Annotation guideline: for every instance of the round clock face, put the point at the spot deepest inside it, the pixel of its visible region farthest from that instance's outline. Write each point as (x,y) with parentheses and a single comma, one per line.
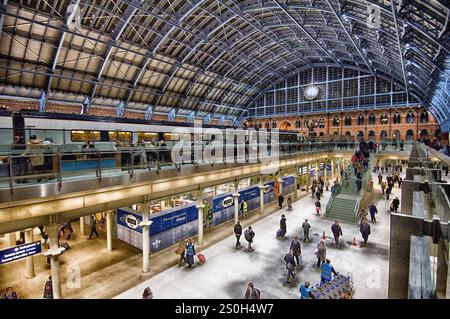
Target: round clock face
(312,92)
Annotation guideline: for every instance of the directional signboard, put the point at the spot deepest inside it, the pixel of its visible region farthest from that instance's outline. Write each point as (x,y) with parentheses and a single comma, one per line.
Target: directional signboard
(19,252)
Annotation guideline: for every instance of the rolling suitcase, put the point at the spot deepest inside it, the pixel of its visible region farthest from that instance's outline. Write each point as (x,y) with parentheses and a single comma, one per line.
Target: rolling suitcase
(201,258)
(278,233)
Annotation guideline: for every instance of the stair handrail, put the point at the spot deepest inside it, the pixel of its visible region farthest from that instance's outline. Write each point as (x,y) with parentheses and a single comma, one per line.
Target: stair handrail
(334,194)
(365,179)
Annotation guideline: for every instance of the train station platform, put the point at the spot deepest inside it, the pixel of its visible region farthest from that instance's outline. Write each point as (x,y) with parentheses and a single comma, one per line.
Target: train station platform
(265,266)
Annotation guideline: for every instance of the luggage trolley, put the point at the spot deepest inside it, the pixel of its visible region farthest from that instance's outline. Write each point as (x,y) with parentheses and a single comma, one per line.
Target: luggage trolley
(337,288)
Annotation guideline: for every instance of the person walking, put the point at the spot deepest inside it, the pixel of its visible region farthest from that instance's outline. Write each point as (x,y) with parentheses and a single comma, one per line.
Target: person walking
(147,294)
(283,227)
(383,187)
(337,232)
(48,289)
(280,201)
(290,266)
(327,271)
(388,192)
(296,249)
(364,229)
(306,227)
(93,227)
(373,211)
(305,291)
(289,203)
(252,292)
(249,234)
(238,232)
(321,253)
(190,253)
(400,180)
(396,204)
(380,178)
(318,206)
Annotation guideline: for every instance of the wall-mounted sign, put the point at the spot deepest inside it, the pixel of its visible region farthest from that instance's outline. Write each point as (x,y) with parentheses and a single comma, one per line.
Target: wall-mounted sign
(227,202)
(19,252)
(311,92)
(132,221)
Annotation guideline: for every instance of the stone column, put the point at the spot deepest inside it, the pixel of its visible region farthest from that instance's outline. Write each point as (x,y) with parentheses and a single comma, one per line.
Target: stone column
(442,276)
(261,195)
(200,207)
(332,170)
(29,238)
(145,224)
(325,171)
(402,228)
(308,176)
(109,230)
(82,226)
(12,239)
(53,253)
(317,170)
(296,177)
(280,183)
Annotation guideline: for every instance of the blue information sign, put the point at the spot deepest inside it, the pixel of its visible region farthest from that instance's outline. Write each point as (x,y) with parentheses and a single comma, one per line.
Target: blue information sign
(19,252)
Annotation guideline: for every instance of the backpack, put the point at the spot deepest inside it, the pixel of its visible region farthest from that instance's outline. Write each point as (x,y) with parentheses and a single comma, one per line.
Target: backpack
(287,258)
(247,235)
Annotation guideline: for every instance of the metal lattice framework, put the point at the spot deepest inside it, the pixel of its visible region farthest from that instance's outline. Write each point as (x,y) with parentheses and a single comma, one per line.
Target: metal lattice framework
(215,58)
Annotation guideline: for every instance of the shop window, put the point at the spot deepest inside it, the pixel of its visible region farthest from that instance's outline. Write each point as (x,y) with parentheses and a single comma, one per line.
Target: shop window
(298,123)
(274,124)
(371,135)
(147,137)
(83,136)
(409,135)
(383,135)
(397,118)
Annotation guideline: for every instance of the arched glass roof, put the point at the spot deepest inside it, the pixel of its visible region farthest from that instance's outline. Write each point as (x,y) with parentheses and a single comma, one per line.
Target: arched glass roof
(214,57)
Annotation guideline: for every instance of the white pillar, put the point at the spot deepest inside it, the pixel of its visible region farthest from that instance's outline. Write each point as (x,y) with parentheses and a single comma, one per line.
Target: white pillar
(82,226)
(200,207)
(145,224)
(280,183)
(29,238)
(236,207)
(332,170)
(109,230)
(325,171)
(295,184)
(12,239)
(261,195)
(53,253)
(317,170)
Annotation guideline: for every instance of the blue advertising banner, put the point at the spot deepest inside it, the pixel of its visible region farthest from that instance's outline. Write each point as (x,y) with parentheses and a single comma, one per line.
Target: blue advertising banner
(19,252)
(168,227)
(222,201)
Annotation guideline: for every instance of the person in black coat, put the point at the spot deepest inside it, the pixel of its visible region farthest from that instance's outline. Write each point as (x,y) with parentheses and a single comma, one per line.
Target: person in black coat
(238,233)
(396,204)
(283,226)
(337,232)
(296,249)
(290,266)
(249,234)
(280,201)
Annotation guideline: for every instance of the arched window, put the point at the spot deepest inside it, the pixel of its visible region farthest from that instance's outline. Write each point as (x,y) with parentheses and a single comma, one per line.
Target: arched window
(336,121)
(298,123)
(274,124)
(255,126)
(424,133)
(410,118)
(348,120)
(361,134)
(306,123)
(372,119)
(384,119)
(383,135)
(321,134)
(322,123)
(424,117)
(409,135)
(371,135)
(396,135)
(360,120)
(397,118)
(267,125)
(260,125)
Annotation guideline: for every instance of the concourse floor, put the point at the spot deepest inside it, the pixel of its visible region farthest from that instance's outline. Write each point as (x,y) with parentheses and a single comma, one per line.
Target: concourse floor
(227,270)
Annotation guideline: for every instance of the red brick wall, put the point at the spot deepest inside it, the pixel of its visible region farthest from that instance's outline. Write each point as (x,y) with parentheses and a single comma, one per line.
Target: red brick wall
(284,122)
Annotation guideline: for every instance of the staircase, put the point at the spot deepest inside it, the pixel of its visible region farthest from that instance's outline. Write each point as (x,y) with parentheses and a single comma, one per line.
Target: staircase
(342,206)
